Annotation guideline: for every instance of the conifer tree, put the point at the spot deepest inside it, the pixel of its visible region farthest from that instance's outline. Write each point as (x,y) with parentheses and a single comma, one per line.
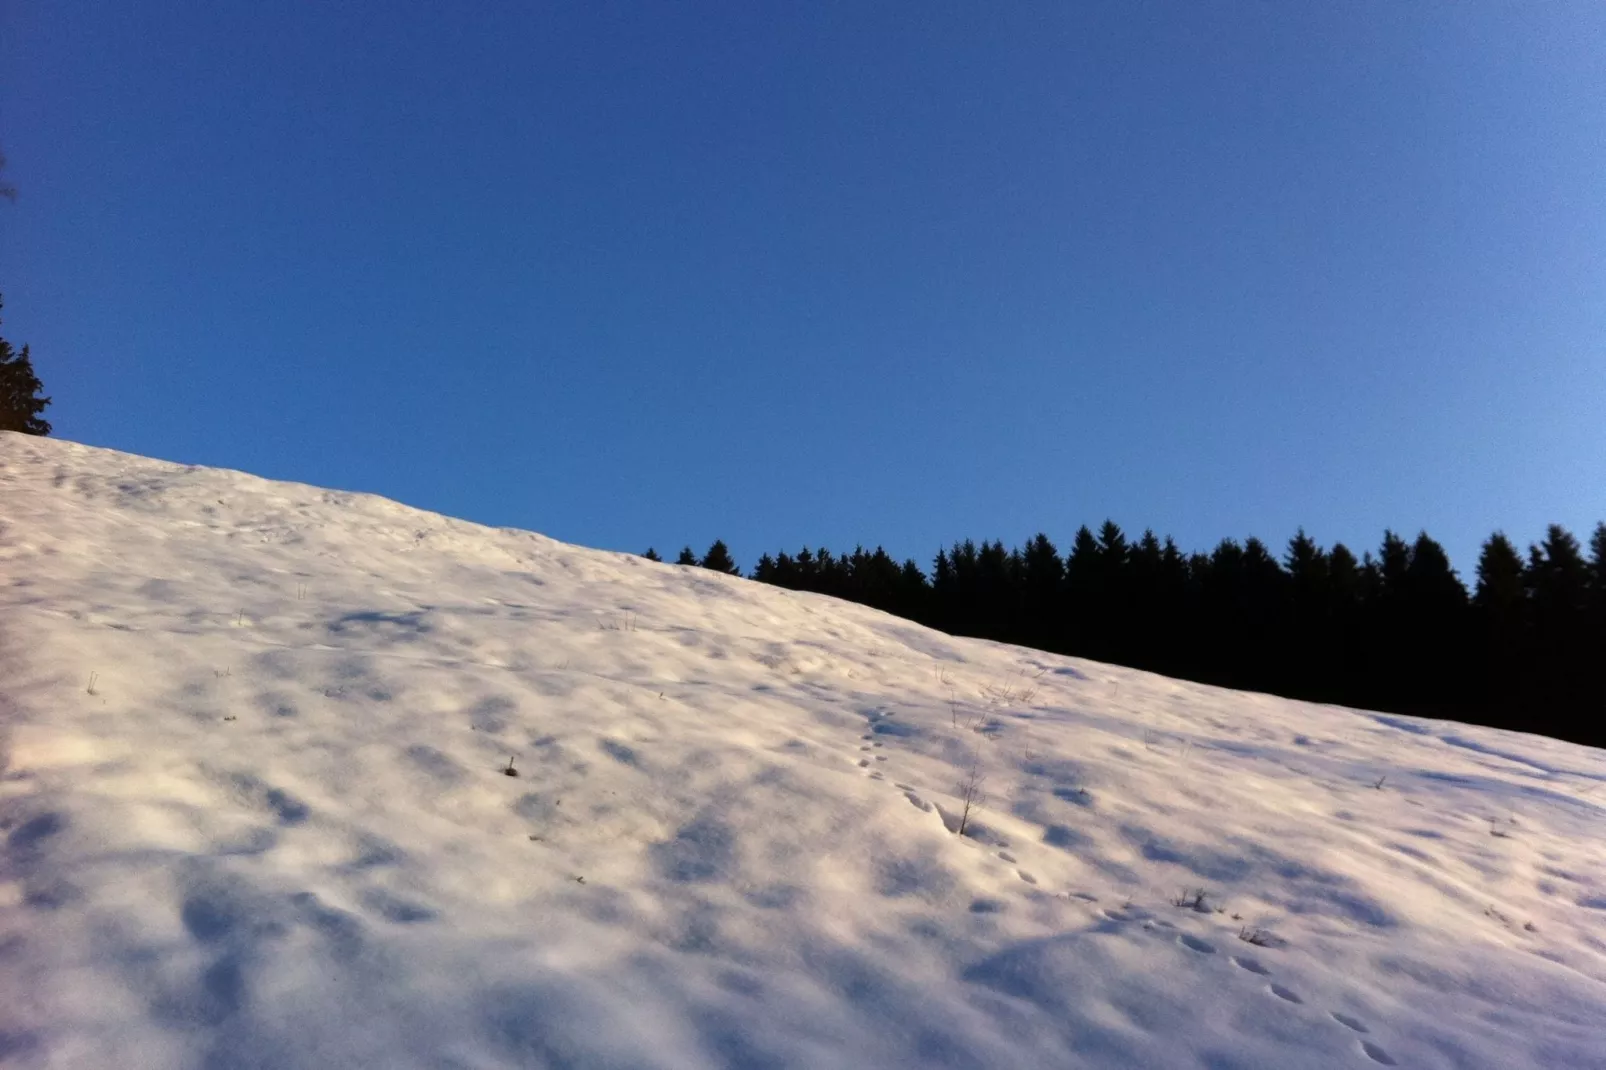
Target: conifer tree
(1597,562)
(1307,566)
(718,559)
(688,556)
(1501,621)
(1560,657)
(786,572)
(1112,549)
(807,572)
(1176,612)
(1082,564)
(914,592)
(1309,644)
(1084,596)
(1343,578)
(996,612)
(1435,620)
(20,400)
(1596,638)
(944,591)
(1393,562)
(1557,574)
(1431,581)
(1597,582)
(1264,600)
(652,555)
(1042,575)
(1500,592)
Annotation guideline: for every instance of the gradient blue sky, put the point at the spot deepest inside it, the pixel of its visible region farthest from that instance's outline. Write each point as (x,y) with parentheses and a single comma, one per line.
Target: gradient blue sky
(635,274)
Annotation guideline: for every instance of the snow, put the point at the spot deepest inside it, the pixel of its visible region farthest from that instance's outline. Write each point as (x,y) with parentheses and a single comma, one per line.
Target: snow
(255,814)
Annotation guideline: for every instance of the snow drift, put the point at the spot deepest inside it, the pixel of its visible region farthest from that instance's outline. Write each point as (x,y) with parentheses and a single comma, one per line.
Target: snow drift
(256,811)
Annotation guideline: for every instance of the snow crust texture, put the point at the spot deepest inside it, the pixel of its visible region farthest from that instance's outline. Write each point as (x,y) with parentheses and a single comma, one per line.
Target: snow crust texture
(256,810)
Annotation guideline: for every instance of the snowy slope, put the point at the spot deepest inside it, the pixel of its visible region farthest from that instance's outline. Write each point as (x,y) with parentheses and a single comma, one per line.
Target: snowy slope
(254,814)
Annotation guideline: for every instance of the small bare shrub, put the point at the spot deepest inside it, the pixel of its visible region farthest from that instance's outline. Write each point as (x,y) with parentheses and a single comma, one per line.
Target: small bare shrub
(1257,937)
(1192,899)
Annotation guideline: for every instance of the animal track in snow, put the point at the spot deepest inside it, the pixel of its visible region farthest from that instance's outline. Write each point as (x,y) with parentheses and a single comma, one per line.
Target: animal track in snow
(1287,994)
(1377,1054)
(1025,876)
(1193,943)
(1243,962)
(1349,1023)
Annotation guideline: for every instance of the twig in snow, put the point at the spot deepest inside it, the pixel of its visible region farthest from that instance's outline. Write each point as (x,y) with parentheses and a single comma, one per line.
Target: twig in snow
(970,790)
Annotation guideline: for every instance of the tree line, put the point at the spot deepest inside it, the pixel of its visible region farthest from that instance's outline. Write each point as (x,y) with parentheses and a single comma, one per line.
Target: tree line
(1396,630)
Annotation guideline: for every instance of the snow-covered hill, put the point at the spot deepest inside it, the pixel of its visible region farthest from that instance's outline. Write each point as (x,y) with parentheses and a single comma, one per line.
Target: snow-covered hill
(255,813)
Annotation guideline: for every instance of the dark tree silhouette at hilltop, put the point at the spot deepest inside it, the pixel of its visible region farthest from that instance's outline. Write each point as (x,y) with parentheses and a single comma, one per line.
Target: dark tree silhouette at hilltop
(718,559)
(21,400)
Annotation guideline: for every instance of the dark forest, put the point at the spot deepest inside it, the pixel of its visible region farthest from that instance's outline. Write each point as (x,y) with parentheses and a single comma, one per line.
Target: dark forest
(1397,630)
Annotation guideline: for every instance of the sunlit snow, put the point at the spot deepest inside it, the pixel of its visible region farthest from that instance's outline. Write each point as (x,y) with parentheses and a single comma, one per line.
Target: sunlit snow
(256,812)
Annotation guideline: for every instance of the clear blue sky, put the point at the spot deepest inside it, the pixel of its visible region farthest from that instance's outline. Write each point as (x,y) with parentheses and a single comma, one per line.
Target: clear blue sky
(635,274)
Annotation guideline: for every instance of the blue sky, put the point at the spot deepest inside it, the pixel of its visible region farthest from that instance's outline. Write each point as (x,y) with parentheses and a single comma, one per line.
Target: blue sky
(635,274)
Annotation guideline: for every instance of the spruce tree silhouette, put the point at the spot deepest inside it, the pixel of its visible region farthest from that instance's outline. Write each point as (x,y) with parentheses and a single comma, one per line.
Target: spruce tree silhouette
(1435,617)
(1264,634)
(1597,627)
(1558,587)
(1084,623)
(1175,613)
(20,398)
(1597,577)
(997,613)
(718,559)
(1500,589)
(688,556)
(1500,627)
(1142,587)
(1042,575)
(944,592)
(652,555)
(1309,641)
